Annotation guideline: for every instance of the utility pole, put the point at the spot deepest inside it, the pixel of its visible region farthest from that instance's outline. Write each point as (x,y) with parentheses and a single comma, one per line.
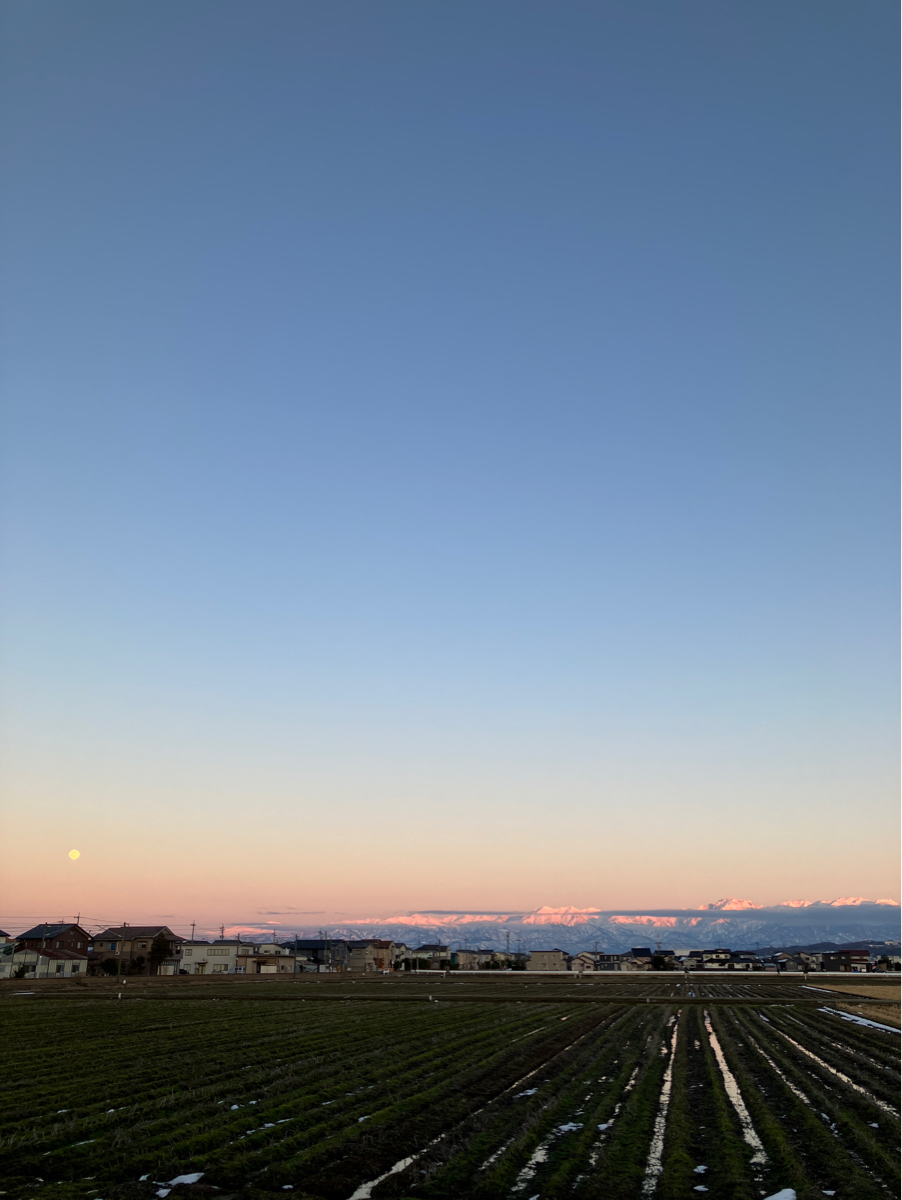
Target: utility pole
(222,933)
(193,923)
(119,949)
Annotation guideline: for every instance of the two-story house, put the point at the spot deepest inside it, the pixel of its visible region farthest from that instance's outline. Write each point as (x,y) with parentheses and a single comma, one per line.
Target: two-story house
(548,960)
(130,948)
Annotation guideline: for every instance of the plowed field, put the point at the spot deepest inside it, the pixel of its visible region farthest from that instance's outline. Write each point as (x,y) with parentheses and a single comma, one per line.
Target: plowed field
(525,1089)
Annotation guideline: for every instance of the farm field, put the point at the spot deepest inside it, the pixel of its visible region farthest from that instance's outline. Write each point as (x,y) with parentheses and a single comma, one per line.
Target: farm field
(340,1090)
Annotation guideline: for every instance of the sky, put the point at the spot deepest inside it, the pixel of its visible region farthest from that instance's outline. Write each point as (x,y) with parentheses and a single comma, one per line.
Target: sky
(448,456)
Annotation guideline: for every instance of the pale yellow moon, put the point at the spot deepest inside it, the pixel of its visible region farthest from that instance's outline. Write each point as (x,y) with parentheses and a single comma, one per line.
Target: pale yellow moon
(73,854)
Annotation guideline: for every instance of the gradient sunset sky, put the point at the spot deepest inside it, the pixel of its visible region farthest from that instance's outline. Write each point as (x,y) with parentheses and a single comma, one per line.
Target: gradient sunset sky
(449,456)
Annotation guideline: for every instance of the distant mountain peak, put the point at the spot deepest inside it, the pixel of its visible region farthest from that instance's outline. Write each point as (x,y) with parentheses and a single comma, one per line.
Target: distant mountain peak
(842,902)
(732,904)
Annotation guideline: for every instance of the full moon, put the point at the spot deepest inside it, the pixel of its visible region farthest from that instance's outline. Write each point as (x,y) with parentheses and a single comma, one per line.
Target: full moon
(73,854)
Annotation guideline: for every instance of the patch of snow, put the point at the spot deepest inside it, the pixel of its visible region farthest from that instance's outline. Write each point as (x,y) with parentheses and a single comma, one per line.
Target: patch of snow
(194,1177)
(860,1020)
(786,1194)
(569,1127)
(839,1075)
(366,1118)
(749,1136)
(699,1170)
(654,1166)
(528,1092)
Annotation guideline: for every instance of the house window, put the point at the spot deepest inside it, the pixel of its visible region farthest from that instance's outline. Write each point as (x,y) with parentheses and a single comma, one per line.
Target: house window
(112,945)
(143,946)
(60,967)
(75,968)
(59,945)
(189,953)
(79,945)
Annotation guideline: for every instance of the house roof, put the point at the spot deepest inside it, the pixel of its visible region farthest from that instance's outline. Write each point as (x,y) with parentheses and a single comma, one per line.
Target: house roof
(49,931)
(126,933)
(57,954)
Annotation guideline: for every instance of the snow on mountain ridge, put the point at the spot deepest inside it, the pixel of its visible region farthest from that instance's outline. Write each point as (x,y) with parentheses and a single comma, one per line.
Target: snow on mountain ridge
(570,916)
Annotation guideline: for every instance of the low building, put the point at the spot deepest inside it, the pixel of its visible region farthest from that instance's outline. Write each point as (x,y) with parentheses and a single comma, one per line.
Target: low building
(743,960)
(716,960)
(465,960)
(321,954)
(435,954)
(787,962)
(855,961)
(594,960)
(235,957)
(639,959)
(56,937)
(26,964)
(370,956)
(548,960)
(132,949)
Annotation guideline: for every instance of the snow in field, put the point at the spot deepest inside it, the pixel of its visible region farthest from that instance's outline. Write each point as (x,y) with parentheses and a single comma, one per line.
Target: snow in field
(839,1075)
(860,1020)
(654,1165)
(749,1136)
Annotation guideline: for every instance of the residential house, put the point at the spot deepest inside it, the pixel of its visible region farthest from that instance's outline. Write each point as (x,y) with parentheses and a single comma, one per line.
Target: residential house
(322,954)
(64,936)
(716,960)
(787,962)
(639,959)
(855,961)
(41,964)
(370,956)
(267,958)
(437,956)
(129,947)
(235,957)
(593,960)
(466,960)
(548,960)
(743,960)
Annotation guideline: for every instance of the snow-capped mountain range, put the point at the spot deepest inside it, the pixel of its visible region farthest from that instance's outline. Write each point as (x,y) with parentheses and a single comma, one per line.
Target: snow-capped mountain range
(732,922)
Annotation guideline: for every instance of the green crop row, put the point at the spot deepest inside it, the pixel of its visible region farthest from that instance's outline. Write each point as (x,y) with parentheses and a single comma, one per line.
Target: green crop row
(488,1100)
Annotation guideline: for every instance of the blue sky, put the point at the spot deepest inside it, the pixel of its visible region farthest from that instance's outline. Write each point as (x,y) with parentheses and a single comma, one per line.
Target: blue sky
(465,425)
